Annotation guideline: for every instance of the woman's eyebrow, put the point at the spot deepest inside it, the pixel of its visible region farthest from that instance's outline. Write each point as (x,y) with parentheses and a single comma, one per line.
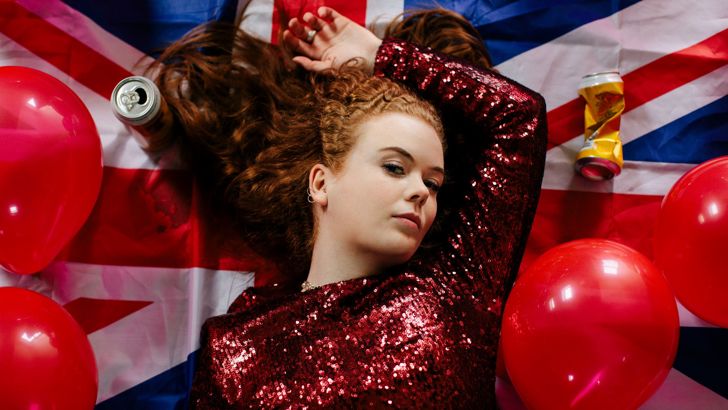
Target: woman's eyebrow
(409,156)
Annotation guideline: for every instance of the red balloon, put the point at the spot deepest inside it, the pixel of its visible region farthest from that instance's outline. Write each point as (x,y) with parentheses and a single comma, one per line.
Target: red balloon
(691,238)
(591,324)
(45,357)
(50,167)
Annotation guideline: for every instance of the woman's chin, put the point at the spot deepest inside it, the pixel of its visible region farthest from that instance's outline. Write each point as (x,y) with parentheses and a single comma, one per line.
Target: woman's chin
(400,254)
(392,250)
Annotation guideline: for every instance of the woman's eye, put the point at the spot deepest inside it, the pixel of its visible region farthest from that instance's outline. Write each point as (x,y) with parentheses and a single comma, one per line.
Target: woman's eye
(394,169)
(432,185)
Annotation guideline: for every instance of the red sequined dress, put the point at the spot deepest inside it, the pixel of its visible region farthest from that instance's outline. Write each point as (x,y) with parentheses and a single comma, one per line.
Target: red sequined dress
(421,336)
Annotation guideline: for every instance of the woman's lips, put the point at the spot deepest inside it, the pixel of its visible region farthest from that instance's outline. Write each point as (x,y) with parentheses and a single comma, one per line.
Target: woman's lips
(410,219)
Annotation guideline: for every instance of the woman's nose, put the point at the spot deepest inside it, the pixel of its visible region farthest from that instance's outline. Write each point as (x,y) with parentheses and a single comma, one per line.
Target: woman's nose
(417,191)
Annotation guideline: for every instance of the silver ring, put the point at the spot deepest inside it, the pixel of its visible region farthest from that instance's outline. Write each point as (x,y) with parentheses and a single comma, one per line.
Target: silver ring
(309,37)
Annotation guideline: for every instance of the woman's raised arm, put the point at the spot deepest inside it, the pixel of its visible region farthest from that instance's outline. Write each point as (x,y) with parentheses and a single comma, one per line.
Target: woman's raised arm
(496,134)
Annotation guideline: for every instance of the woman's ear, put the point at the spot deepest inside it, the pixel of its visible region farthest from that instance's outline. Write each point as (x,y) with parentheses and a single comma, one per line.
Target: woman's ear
(318,177)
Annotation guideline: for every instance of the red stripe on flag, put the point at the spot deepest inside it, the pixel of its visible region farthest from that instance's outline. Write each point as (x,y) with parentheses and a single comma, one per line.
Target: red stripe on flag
(95,314)
(647,83)
(150,218)
(356,10)
(52,44)
(563,216)
(565,122)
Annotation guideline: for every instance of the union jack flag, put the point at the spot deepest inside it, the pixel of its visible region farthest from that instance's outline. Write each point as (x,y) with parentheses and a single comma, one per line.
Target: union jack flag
(150,265)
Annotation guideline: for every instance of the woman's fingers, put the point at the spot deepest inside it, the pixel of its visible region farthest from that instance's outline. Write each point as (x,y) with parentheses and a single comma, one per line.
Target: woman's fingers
(323,29)
(335,21)
(328,40)
(313,21)
(327,13)
(297,28)
(298,45)
(312,65)
(297,38)
(311,25)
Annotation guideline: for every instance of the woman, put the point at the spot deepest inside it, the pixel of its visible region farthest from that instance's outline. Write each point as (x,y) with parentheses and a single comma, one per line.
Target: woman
(347,177)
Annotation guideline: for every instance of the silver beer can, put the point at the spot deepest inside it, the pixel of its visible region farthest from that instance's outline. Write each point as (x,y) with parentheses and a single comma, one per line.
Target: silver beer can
(136,100)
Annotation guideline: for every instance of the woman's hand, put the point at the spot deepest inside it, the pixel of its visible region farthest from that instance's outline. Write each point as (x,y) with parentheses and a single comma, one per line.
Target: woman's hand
(336,41)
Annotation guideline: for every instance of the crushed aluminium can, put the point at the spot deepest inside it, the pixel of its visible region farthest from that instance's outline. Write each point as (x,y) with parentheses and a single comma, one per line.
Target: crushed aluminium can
(600,158)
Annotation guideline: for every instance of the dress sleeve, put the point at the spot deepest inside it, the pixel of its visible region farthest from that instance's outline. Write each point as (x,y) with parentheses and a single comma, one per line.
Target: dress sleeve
(496,137)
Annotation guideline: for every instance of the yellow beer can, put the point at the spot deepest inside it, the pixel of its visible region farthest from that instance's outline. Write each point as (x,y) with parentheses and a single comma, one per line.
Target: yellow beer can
(601,156)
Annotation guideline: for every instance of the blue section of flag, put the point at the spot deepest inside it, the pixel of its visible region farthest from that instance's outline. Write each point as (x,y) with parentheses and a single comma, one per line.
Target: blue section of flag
(151,25)
(702,355)
(694,138)
(166,391)
(513,27)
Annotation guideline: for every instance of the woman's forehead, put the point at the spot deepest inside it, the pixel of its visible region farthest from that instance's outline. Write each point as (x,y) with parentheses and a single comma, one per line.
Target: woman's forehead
(404,131)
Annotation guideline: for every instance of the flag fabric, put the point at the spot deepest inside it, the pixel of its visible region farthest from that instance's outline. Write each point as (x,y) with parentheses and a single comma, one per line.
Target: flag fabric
(150,264)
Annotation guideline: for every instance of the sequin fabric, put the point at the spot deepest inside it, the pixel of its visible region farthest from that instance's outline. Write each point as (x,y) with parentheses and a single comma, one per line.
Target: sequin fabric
(421,336)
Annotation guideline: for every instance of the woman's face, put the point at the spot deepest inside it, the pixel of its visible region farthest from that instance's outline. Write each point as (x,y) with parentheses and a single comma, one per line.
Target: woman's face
(383,199)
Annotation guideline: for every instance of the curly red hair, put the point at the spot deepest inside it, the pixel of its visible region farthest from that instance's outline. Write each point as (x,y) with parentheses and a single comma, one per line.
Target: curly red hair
(251,125)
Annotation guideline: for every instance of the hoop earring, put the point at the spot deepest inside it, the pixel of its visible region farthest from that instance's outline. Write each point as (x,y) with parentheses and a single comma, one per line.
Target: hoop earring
(309,198)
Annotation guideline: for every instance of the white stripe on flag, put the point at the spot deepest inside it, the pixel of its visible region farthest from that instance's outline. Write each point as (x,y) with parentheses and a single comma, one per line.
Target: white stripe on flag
(380,13)
(259,19)
(640,178)
(678,391)
(163,333)
(627,40)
